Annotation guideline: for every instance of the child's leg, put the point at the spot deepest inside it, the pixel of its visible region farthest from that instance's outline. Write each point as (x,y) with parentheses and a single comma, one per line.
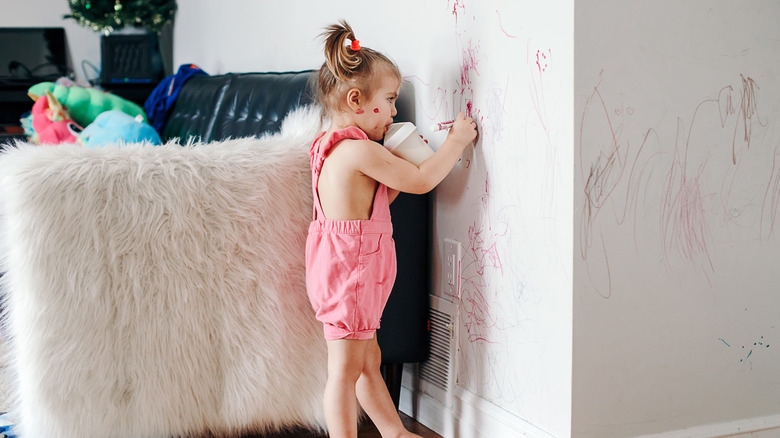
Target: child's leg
(345,364)
(374,397)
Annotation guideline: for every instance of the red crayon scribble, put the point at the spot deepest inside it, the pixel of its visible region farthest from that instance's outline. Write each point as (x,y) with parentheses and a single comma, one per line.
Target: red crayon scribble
(543,60)
(469,65)
(687,206)
(747,112)
(683,217)
(502,26)
(492,125)
(481,258)
(439,101)
(449,100)
(601,178)
(539,68)
(458,7)
(772,197)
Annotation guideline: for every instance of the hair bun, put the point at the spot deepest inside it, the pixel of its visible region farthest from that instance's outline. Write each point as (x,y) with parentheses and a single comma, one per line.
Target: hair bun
(342,59)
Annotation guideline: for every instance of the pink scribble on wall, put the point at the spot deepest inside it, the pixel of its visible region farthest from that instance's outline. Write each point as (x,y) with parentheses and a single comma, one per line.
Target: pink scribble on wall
(684,221)
(469,64)
(540,68)
(482,258)
(458,7)
(501,25)
(543,60)
(616,168)
(771,199)
(690,221)
(448,101)
(493,123)
(684,213)
(440,99)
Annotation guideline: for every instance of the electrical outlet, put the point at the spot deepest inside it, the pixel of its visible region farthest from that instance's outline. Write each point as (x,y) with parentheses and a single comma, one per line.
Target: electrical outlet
(451,268)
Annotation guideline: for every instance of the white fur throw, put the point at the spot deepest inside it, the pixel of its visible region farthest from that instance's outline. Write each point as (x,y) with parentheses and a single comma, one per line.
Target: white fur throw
(158,291)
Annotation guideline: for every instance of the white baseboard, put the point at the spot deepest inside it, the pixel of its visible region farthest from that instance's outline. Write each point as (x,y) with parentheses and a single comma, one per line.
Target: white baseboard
(468,417)
(758,427)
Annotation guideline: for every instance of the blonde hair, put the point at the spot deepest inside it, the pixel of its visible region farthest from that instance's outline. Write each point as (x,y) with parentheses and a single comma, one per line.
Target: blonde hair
(345,68)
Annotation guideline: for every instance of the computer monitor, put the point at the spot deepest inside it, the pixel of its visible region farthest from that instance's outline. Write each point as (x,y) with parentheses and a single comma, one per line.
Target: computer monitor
(32,54)
(130,59)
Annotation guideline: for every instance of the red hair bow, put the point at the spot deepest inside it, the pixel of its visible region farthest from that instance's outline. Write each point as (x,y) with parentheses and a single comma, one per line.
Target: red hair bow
(355,45)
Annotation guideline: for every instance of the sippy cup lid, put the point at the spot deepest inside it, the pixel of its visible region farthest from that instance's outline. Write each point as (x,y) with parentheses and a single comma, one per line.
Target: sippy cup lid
(397,133)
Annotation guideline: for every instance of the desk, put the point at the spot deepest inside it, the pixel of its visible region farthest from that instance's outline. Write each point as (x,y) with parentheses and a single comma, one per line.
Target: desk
(14,102)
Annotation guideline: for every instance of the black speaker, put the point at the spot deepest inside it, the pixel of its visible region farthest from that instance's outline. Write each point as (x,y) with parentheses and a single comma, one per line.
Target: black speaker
(130,59)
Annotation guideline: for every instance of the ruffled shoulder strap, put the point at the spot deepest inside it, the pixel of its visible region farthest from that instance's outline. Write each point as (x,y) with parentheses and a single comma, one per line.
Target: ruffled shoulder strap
(319,151)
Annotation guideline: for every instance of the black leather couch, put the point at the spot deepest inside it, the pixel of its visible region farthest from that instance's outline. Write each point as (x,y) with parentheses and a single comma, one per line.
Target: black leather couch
(214,108)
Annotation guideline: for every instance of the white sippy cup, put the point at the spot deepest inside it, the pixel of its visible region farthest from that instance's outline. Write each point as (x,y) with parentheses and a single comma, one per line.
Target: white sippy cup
(403,140)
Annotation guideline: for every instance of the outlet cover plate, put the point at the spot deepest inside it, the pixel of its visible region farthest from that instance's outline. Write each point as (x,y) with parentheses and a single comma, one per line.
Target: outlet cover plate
(451,268)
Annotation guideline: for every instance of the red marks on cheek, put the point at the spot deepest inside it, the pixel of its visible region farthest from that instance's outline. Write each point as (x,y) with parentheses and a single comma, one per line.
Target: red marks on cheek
(360,111)
(376,110)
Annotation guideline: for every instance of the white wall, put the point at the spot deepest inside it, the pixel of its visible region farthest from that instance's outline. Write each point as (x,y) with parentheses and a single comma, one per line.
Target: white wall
(676,302)
(509,201)
(83,44)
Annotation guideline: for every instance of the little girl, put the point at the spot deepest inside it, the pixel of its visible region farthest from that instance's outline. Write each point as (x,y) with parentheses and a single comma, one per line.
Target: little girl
(350,253)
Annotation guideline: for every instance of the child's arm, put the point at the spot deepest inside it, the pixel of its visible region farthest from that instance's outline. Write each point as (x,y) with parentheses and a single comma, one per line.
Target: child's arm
(392,194)
(399,174)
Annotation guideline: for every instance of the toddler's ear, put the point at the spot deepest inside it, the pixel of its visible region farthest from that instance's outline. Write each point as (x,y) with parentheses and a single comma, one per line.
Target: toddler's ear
(354,97)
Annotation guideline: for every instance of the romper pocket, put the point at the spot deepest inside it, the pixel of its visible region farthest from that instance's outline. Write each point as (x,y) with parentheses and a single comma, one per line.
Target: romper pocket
(377,275)
(370,244)
(377,260)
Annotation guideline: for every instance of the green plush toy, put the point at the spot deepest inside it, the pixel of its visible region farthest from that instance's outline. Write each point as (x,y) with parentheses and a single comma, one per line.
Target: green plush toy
(85,104)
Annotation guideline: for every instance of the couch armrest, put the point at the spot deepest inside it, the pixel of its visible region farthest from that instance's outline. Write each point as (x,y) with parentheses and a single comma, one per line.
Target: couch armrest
(236,105)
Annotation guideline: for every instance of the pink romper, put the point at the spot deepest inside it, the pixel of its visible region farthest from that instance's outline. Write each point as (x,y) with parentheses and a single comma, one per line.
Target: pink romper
(350,264)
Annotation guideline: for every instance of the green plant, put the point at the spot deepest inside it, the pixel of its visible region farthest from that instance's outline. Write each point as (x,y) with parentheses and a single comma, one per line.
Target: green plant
(110,15)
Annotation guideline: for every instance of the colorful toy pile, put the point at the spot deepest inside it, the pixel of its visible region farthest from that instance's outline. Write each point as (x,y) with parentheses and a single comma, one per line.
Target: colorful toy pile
(68,113)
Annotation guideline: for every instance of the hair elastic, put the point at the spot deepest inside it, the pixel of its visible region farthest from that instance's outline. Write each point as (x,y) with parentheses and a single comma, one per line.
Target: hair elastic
(355,45)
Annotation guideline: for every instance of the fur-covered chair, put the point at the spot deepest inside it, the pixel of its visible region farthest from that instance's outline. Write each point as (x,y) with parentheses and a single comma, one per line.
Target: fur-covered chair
(160,291)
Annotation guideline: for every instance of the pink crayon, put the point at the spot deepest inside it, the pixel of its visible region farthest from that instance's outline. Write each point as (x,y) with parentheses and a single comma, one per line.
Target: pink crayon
(442,125)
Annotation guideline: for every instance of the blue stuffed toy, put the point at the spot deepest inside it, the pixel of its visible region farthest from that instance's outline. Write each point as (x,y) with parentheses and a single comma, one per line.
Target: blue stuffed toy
(113,126)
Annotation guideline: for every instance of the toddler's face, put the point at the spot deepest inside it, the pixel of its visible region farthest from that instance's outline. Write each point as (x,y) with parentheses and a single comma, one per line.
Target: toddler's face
(380,110)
